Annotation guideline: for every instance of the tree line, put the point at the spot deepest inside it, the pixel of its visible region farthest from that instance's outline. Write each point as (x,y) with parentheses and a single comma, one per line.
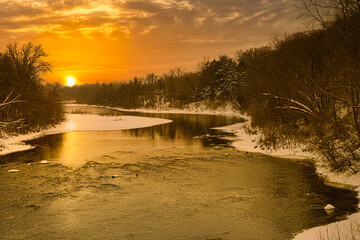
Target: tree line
(27,104)
(216,82)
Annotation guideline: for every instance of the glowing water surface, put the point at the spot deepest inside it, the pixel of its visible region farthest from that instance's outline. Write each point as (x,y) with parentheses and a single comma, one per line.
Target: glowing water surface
(175,181)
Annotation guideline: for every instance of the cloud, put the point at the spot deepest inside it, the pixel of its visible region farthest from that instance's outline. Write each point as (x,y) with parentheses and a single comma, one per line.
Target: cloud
(66,4)
(14,9)
(148,30)
(145,6)
(172,19)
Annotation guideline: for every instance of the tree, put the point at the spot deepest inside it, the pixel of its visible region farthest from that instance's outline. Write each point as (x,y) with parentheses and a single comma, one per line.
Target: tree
(23,94)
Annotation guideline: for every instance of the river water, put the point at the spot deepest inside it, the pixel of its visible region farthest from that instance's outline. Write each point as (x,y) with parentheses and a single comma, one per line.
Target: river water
(176,181)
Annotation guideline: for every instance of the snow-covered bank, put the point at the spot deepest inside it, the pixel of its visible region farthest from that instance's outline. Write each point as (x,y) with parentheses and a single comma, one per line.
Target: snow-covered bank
(82,122)
(346,229)
(227,110)
(190,109)
(248,139)
(248,142)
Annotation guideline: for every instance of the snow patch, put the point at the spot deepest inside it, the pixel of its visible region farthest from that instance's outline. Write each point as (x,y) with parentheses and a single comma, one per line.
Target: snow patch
(347,229)
(82,122)
(329,207)
(248,141)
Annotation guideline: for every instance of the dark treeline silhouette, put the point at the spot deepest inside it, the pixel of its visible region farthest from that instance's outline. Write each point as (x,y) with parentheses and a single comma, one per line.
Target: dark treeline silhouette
(303,88)
(216,82)
(26,103)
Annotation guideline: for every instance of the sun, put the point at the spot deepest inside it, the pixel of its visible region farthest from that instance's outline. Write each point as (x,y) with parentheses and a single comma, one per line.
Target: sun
(70,81)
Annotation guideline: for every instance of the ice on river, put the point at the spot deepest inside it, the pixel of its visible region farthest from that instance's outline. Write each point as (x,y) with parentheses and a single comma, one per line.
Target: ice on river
(83,122)
(86,122)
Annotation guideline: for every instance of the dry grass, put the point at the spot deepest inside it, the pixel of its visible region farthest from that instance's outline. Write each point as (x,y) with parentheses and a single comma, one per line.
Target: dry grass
(349,230)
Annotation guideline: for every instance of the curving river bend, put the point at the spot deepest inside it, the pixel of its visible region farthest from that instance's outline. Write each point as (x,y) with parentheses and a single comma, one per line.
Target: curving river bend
(176,181)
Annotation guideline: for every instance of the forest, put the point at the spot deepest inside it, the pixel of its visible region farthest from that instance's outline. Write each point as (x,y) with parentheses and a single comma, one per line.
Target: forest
(303,88)
(26,103)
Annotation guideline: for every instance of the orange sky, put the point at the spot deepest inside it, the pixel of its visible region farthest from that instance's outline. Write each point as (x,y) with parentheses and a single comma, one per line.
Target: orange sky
(115,40)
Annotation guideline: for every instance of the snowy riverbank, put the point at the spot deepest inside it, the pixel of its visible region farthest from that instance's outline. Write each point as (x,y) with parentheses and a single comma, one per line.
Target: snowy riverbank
(346,229)
(81,122)
(191,109)
(248,141)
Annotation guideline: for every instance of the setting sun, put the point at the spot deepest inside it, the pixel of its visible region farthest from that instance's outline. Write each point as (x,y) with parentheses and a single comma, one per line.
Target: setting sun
(70,81)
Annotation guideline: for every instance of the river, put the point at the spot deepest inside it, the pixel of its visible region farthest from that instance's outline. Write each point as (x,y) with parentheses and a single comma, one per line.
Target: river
(180,180)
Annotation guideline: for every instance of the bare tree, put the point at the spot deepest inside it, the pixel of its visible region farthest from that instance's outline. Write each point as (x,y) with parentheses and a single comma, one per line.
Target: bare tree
(25,102)
(28,61)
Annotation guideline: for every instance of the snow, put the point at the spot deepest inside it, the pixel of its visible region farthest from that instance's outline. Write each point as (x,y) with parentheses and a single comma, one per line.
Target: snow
(187,111)
(347,229)
(248,142)
(200,108)
(329,207)
(82,122)
(190,109)
(87,122)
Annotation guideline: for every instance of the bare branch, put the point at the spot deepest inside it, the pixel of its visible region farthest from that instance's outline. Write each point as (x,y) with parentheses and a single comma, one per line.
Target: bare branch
(299,104)
(9,101)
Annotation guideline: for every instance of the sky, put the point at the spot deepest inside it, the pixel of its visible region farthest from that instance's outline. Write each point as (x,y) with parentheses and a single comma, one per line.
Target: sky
(115,40)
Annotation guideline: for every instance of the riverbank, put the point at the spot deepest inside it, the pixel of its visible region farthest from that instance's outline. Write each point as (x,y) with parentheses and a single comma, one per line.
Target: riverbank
(346,229)
(189,109)
(248,139)
(81,122)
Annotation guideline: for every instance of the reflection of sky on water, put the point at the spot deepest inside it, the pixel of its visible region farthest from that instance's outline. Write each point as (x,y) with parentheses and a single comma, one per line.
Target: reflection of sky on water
(188,182)
(75,148)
